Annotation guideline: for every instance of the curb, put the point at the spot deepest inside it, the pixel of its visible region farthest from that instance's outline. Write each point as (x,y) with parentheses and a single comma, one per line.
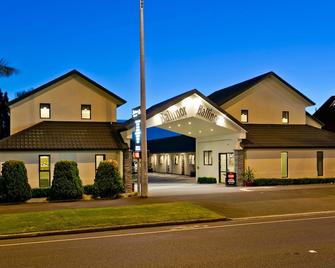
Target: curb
(107,228)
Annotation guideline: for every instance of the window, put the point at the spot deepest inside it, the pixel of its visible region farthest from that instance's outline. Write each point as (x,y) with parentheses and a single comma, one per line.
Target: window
(98,159)
(45,111)
(244,116)
(161,159)
(285,117)
(176,159)
(284,164)
(191,159)
(319,163)
(208,159)
(85,111)
(44,171)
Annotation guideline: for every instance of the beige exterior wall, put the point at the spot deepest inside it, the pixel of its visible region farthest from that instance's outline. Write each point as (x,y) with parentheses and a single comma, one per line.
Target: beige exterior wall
(302,163)
(66,98)
(266,102)
(85,160)
(164,163)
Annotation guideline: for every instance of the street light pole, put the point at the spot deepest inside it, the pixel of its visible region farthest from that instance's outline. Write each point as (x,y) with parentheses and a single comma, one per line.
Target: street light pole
(144,157)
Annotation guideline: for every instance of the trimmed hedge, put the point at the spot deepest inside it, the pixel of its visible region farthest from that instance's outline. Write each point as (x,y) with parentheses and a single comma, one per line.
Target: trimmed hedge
(40,192)
(272,182)
(66,184)
(108,182)
(89,189)
(14,186)
(207,180)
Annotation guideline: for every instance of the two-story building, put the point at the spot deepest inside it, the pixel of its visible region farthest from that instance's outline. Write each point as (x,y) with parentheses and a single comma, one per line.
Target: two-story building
(260,123)
(69,118)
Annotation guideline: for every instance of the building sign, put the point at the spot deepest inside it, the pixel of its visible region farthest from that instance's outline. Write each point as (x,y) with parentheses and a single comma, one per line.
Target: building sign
(169,116)
(136,113)
(231,179)
(207,113)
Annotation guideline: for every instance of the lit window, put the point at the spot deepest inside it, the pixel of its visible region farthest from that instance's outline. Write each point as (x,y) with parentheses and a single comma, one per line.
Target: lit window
(176,159)
(244,116)
(44,171)
(98,159)
(45,110)
(208,158)
(85,111)
(319,163)
(284,164)
(161,159)
(191,159)
(285,117)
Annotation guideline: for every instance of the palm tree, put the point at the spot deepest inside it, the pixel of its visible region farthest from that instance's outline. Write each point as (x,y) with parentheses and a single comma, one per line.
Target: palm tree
(6,70)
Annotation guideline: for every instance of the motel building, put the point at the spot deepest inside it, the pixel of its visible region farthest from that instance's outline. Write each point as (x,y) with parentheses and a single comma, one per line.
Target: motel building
(260,123)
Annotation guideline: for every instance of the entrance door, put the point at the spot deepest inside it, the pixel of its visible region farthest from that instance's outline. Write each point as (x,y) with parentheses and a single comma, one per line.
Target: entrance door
(182,165)
(226,164)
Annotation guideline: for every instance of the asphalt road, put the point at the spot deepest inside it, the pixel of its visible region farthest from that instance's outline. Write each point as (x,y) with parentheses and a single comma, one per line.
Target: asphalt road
(299,241)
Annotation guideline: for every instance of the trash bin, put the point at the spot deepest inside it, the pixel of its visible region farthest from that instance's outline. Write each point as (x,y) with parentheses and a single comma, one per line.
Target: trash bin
(231,179)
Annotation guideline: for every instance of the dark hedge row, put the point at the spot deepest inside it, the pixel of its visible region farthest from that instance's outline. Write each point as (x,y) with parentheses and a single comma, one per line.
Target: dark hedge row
(207,180)
(273,182)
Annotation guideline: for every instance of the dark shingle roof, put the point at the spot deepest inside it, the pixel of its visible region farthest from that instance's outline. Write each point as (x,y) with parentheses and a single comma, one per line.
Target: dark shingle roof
(326,114)
(177,144)
(223,95)
(60,78)
(287,136)
(50,135)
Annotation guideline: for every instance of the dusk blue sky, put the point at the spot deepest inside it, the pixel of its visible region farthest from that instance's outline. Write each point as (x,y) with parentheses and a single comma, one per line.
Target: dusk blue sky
(206,45)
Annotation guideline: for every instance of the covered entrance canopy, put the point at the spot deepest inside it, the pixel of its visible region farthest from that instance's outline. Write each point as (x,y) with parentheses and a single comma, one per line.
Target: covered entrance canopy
(216,132)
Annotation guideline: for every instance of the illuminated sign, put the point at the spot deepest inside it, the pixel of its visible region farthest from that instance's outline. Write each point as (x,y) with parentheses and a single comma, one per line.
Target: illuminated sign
(207,113)
(169,116)
(136,112)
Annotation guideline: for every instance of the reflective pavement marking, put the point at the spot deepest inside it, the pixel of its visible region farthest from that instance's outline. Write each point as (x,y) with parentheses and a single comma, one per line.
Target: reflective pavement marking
(160,232)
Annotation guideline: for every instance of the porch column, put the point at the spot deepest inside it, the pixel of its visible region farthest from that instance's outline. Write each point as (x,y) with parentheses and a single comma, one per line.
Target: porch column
(239,165)
(127,164)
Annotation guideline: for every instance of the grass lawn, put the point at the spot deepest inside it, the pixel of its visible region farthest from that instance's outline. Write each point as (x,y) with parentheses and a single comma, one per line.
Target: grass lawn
(68,219)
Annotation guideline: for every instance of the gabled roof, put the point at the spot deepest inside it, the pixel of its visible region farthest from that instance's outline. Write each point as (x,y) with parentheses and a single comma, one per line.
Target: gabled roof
(157,108)
(69,136)
(176,144)
(315,118)
(326,114)
(60,78)
(224,95)
(287,136)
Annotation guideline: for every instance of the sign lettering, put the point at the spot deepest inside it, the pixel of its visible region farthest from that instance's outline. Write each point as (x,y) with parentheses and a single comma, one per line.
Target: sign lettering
(169,116)
(207,113)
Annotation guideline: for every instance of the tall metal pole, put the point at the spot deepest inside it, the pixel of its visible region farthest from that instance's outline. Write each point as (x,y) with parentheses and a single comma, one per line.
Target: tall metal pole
(144,157)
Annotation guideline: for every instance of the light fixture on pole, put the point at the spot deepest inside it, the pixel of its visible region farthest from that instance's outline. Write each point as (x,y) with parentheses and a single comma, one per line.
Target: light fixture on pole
(144,157)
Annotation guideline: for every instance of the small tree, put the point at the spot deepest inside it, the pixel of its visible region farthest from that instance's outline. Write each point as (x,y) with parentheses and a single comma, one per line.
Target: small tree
(108,182)
(14,186)
(66,184)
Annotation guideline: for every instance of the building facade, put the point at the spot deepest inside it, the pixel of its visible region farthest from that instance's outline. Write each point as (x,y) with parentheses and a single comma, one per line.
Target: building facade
(69,118)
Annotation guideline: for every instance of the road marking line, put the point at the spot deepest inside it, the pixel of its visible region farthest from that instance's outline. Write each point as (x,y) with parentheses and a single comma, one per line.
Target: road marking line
(287,215)
(174,230)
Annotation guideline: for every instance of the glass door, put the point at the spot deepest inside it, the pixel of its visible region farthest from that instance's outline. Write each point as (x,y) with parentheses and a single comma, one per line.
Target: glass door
(226,164)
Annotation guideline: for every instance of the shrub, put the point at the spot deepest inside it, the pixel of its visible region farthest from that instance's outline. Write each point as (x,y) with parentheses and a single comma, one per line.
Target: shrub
(248,177)
(66,184)
(14,186)
(272,182)
(89,189)
(206,180)
(108,183)
(40,192)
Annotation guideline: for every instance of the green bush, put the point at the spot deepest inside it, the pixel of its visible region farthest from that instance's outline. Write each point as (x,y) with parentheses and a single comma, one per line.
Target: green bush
(66,184)
(14,186)
(89,189)
(273,182)
(108,183)
(207,180)
(40,192)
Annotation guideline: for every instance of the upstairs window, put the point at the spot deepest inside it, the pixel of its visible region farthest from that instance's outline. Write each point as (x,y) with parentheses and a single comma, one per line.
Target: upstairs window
(85,111)
(285,117)
(244,116)
(45,111)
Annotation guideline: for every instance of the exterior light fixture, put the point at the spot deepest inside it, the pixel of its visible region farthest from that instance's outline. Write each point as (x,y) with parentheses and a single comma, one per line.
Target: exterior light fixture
(212,129)
(190,123)
(179,125)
